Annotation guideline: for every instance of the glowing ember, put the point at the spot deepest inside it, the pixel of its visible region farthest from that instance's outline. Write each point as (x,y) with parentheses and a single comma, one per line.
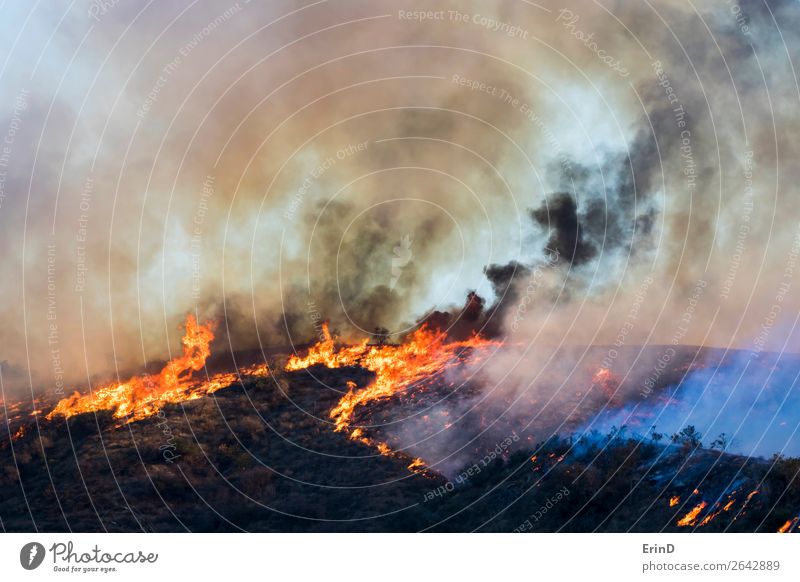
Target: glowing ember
(397,368)
(707,519)
(417,464)
(601,376)
(674,500)
(788,526)
(607,382)
(691,518)
(143,396)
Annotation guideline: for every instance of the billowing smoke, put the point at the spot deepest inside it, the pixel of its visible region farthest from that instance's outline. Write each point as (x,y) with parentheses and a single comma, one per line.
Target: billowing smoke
(554,175)
(568,241)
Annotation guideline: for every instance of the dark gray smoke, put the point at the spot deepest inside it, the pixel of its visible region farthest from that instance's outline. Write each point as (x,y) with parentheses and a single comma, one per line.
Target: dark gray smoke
(559,217)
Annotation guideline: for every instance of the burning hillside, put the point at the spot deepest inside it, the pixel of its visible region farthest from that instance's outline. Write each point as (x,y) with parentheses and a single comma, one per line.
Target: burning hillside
(399,371)
(143,396)
(426,400)
(417,412)
(266,454)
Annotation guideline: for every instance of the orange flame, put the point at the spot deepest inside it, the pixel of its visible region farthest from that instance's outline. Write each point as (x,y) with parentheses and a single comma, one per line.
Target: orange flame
(707,519)
(605,379)
(691,517)
(143,396)
(396,368)
(725,508)
(674,500)
(417,464)
(602,376)
(787,527)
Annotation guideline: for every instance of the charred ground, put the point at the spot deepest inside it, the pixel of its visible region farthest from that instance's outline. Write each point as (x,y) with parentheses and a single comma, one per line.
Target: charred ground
(262,455)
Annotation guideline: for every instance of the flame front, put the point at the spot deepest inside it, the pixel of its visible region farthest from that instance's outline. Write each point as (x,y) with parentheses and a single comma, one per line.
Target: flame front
(425,354)
(691,518)
(143,396)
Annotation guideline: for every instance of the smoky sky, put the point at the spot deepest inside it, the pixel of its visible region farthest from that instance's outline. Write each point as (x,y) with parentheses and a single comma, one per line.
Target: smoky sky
(271,165)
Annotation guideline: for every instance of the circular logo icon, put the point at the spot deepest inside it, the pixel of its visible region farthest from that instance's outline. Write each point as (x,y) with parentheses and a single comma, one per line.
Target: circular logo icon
(31,555)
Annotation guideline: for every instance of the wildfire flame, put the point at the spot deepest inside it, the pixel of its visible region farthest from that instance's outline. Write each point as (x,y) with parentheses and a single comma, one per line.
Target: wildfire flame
(691,518)
(707,519)
(143,396)
(674,500)
(787,527)
(608,382)
(397,368)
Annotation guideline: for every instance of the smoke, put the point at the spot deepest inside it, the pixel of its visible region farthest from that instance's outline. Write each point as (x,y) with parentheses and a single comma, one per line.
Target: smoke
(560,216)
(261,163)
(743,404)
